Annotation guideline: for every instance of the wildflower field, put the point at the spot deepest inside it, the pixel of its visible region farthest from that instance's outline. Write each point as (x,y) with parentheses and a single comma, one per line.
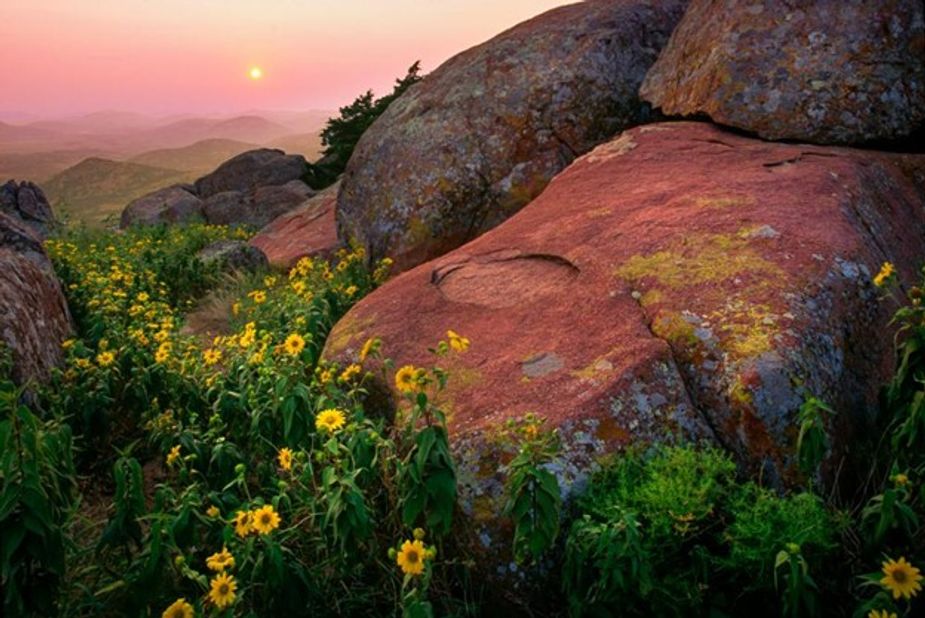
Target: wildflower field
(167,470)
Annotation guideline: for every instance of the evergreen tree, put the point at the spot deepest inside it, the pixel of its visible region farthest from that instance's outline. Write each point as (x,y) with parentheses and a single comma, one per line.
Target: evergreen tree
(341,134)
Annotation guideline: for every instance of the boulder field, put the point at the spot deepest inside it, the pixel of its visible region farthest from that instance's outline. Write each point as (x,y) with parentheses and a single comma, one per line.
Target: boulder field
(677,282)
(479,137)
(844,72)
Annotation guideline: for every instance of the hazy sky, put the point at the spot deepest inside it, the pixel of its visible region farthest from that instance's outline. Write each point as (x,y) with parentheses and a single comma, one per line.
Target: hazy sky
(165,56)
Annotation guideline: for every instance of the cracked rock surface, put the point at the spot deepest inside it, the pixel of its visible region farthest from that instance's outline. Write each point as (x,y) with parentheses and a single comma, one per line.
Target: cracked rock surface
(482,135)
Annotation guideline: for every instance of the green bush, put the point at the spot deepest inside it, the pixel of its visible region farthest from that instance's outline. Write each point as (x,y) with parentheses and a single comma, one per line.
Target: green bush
(341,134)
(672,532)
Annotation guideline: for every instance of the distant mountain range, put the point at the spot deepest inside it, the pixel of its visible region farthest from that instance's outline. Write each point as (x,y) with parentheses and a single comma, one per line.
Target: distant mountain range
(93,165)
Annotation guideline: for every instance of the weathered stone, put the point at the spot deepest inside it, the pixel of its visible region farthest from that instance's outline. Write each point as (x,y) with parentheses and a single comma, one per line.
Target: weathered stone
(27,202)
(34,318)
(255,208)
(832,71)
(252,169)
(481,136)
(309,230)
(174,204)
(234,256)
(677,282)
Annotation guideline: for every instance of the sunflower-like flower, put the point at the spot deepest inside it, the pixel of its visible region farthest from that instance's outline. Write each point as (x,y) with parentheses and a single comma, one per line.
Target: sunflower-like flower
(886,271)
(350,372)
(265,519)
(901,578)
(457,342)
(330,420)
(222,590)
(211,356)
(294,344)
(243,523)
(105,359)
(408,379)
(163,352)
(173,455)
(411,556)
(370,347)
(285,458)
(179,609)
(220,561)
(213,511)
(882,613)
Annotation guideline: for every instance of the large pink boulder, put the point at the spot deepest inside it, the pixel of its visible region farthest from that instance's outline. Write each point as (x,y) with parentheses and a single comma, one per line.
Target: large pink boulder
(676,282)
(309,230)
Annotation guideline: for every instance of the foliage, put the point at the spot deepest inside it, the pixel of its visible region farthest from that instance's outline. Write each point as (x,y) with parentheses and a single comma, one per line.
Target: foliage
(37,491)
(341,134)
(671,532)
(534,501)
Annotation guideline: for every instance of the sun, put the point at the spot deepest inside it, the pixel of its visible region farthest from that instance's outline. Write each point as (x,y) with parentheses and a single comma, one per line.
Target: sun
(255,73)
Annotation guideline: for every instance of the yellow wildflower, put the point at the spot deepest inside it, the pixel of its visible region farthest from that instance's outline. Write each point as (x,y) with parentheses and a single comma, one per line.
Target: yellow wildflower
(105,359)
(457,342)
(285,459)
(179,609)
(886,271)
(242,523)
(330,420)
(265,520)
(350,372)
(881,614)
(222,590)
(407,379)
(901,578)
(221,560)
(411,557)
(173,455)
(213,511)
(211,356)
(294,344)
(371,346)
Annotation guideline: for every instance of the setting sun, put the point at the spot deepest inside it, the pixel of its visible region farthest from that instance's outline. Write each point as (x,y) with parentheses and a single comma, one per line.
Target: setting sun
(255,73)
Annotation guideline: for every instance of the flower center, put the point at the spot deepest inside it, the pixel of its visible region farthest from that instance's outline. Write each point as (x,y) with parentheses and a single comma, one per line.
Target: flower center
(412,557)
(265,519)
(223,589)
(899,577)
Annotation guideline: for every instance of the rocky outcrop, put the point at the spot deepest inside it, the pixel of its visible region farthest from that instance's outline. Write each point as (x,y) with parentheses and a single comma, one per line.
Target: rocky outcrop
(677,282)
(252,189)
(309,230)
(34,318)
(252,169)
(174,204)
(233,256)
(825,72)
(256,207)
(481,136)
(27,202)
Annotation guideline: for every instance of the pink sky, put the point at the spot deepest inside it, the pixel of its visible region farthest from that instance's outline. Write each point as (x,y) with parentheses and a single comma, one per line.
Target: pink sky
(166,56)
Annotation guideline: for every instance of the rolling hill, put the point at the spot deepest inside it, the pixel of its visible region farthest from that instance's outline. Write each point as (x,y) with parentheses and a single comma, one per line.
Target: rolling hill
(96,188)
(202,156)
